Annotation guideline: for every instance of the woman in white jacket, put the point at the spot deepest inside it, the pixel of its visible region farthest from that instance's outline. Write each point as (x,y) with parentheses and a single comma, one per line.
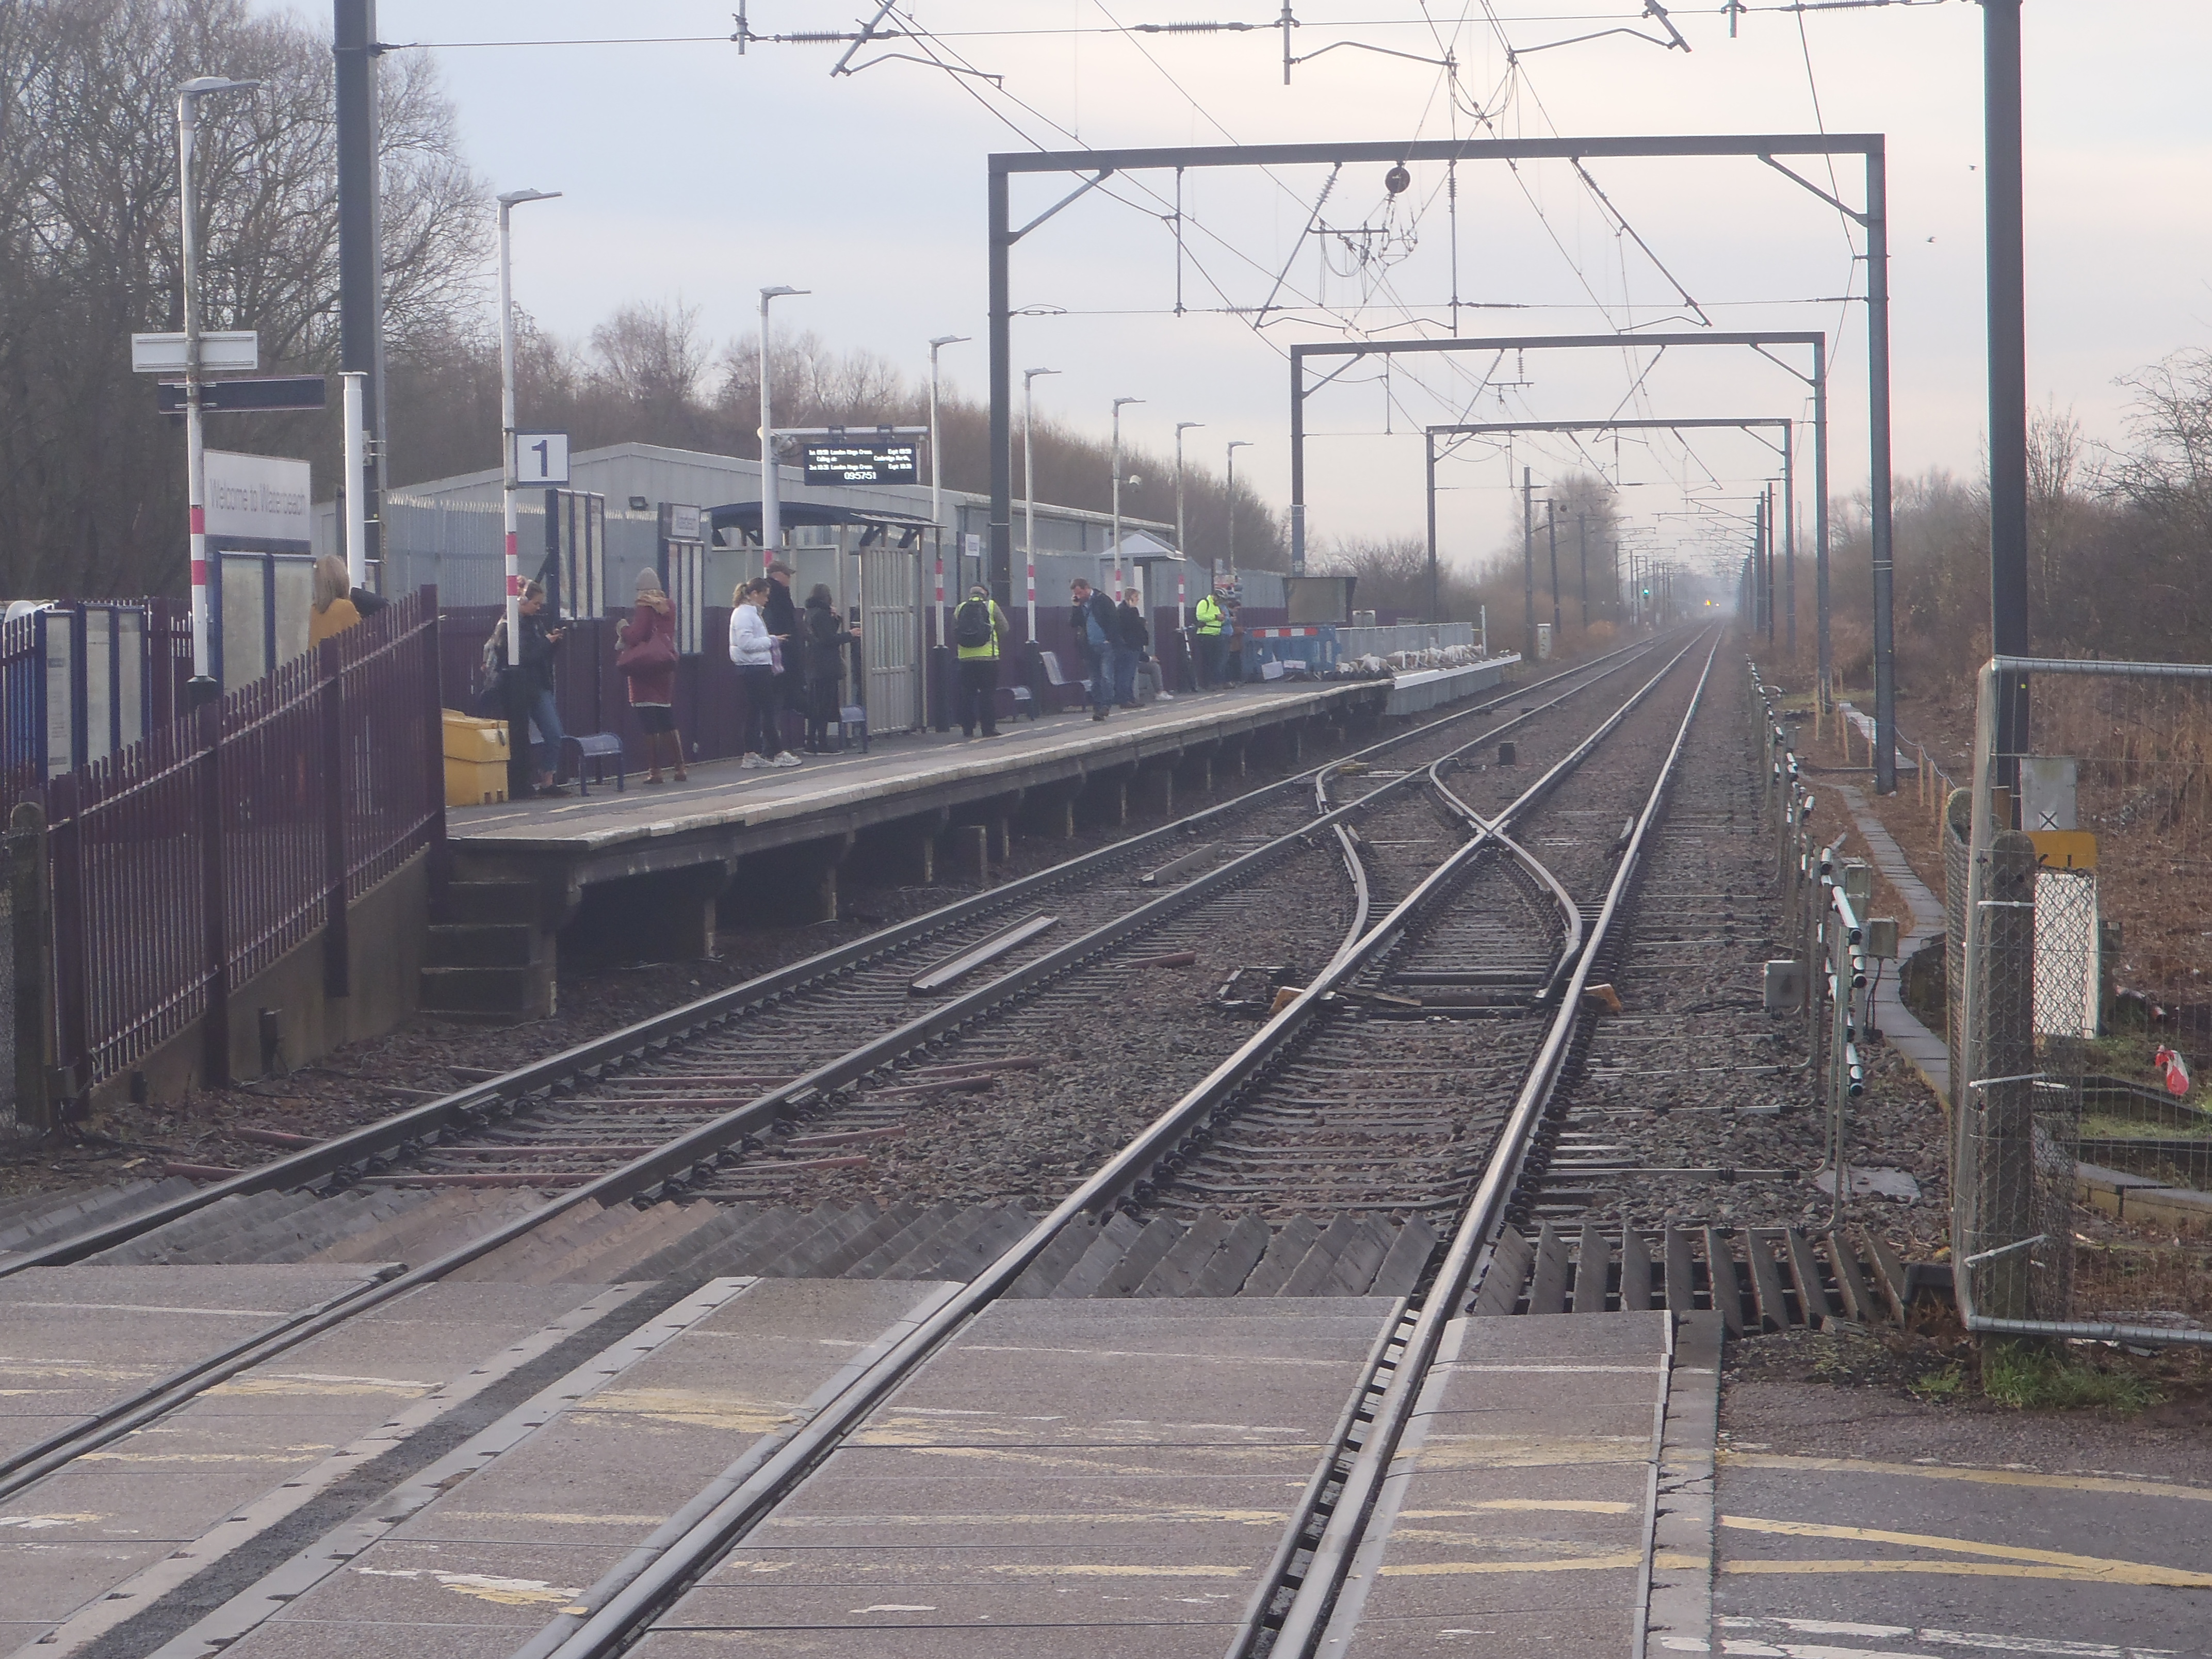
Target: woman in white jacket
(753,649)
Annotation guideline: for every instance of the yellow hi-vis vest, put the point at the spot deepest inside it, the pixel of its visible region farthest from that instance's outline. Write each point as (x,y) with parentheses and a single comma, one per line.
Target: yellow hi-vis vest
(1209,614)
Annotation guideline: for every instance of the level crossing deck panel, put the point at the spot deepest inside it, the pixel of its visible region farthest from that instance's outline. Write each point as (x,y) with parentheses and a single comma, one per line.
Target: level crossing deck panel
(484,1567)
(1517,1515)
(1065,1479)
(114,1510)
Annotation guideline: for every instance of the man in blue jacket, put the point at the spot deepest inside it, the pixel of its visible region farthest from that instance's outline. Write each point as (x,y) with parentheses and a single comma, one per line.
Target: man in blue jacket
(1094,623)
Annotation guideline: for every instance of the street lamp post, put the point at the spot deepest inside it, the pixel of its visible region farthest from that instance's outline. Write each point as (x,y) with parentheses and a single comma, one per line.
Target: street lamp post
(937,482)
(771,479)
(1029,485)
(1235,444)
(508,203)
(1118,401)
(1182,540)
(203,686)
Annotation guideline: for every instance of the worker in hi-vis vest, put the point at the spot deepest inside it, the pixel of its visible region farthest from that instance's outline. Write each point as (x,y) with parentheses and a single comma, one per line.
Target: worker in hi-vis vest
(1210,618)
(979,633)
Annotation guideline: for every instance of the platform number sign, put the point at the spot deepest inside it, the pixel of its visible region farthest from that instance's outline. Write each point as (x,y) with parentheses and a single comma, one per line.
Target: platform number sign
(540,457)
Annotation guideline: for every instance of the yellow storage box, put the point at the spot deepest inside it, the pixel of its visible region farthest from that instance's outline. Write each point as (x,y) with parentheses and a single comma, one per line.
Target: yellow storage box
(476,760)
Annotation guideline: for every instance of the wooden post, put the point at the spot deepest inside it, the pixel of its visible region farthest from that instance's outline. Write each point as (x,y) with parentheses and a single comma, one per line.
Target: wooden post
(331,700)
(29,897)
(215,901)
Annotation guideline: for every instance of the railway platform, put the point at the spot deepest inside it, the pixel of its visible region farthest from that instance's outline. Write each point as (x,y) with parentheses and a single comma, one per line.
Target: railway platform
(642,869)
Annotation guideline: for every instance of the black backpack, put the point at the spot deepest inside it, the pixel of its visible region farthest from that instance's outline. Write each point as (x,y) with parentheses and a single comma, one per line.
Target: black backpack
(971,624)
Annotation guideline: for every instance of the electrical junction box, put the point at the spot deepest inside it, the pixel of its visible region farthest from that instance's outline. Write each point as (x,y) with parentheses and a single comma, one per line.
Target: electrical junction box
(1858,882)
(1882,938)
(1785,986)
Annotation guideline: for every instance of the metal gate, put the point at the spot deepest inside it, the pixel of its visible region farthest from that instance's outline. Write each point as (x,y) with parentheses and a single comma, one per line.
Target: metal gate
(891,607)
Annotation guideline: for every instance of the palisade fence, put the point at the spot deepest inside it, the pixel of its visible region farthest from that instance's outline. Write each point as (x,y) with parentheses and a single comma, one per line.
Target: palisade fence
(187,863)
(2082,1161)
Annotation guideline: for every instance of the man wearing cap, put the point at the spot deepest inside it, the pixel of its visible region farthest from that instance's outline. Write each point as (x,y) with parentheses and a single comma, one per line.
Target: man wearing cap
(979,635)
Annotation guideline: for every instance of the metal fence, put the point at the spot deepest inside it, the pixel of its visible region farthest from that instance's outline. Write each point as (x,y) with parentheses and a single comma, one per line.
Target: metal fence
(188,862)
(2080,1001)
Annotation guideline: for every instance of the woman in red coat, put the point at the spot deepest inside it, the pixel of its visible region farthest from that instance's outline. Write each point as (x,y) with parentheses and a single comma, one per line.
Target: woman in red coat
(648,660)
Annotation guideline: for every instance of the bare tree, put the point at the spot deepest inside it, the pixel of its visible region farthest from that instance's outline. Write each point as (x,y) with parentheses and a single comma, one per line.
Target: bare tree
(91,478)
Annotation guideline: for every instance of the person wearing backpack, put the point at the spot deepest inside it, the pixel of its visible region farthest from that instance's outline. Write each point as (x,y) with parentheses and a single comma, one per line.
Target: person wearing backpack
(1092,618)
(1131,638)
(979,635)
(646,662)
(827,639)
(1210,618)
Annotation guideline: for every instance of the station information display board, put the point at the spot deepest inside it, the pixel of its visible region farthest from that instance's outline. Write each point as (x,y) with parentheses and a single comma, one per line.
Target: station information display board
(890,462)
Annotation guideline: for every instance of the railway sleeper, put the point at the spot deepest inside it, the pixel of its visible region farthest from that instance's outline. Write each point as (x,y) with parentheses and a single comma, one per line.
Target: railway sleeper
(1757,1278)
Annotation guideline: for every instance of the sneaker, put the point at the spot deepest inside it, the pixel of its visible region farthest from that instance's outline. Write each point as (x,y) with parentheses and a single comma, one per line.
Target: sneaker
(787,758)
(750,763)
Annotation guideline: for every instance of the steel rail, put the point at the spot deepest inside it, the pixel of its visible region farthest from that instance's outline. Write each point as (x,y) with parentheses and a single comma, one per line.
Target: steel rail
(668,1163)
(361,1148)
(1304,1623)
(618,1610)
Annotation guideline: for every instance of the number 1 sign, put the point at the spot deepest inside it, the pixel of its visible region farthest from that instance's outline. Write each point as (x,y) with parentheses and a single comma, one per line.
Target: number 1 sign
(540,457)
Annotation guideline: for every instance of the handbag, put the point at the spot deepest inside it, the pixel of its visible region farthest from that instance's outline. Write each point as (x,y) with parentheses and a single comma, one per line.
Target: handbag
(774,654)
(656,650)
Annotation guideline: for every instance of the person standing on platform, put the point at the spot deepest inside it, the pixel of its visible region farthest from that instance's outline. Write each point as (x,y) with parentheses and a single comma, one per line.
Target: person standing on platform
(781,613)
(827,641)
(754,651)
(1131,640)
(1210,618)
(979,633)
(1232,640)
(1092,619)
(531,685)
(333,610)
(646,662)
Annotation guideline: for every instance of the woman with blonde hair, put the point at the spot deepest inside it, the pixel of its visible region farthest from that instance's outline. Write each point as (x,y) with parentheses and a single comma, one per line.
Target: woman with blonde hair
(647,662)
(334,610)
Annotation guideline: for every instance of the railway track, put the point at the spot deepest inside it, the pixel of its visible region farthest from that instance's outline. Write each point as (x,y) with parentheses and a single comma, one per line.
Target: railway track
(1150,1170)
(689,1104)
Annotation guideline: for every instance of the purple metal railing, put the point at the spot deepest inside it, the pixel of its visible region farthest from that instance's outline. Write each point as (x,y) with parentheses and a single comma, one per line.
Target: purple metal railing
(264,815)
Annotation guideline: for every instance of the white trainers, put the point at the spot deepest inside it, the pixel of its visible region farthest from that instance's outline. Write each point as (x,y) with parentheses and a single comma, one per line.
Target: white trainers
(750,763)
(789,757)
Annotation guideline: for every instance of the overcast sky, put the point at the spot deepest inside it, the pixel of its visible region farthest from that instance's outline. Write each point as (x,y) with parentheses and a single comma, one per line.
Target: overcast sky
(693,171)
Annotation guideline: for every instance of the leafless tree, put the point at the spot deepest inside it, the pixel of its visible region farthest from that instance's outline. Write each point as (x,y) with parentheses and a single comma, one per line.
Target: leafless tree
(91,479)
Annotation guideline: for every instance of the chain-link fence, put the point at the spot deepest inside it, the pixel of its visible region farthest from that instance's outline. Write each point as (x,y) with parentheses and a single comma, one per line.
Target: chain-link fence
(2081,877)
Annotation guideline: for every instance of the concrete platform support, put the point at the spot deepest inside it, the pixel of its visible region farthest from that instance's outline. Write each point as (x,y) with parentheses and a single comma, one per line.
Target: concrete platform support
(1155,788)
(668,916)
(794,886)
(1106,800)
(971,852)
(1050,812)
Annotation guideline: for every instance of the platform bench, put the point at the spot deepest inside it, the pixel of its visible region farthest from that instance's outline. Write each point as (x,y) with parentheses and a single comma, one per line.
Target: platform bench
(598,748)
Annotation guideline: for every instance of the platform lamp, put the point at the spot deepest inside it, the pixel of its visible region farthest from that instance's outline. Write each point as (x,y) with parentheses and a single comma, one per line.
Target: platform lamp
(1029,485)
(1181,538)
(771,480)
(1118,401)
(1235,444)
(203,686)
(508,203)
(937,482)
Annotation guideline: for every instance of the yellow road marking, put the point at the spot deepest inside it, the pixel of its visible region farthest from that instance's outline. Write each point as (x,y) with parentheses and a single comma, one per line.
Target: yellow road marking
(2115,1483)
(2161,1577)
(2043,1564)
(1616,1558)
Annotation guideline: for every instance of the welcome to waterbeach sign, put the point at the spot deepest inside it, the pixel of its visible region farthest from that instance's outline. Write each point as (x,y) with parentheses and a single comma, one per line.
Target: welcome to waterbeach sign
(259,499)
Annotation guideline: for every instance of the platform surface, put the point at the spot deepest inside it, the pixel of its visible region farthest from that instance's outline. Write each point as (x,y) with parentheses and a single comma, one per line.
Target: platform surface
(902,774)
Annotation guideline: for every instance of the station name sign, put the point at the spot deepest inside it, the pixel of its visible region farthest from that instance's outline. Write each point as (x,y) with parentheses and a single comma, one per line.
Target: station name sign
(890,462)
